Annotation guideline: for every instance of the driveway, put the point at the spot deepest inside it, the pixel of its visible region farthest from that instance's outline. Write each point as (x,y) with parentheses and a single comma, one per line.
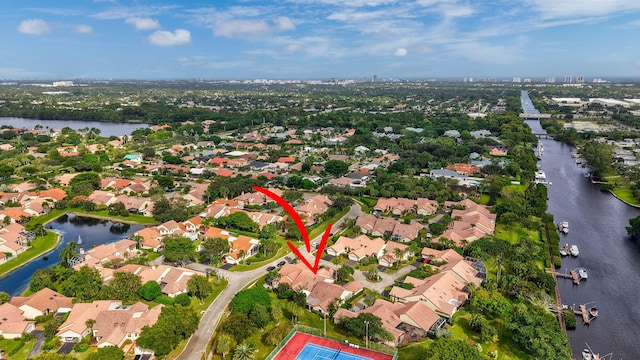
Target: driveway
(66,348)
(197,343)
(37,347)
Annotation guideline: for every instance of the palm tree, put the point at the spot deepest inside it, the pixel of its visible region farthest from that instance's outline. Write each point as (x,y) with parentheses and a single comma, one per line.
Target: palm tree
(68,252)
(241,255)
(224,344)
(90,322)
(244,351)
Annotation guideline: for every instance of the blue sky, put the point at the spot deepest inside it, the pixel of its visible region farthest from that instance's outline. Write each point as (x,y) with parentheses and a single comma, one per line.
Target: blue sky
(318,39)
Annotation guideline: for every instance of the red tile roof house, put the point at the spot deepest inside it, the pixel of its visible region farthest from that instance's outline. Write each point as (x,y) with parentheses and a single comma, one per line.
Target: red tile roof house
(12,240)
(313,207)
(248,246)
(324,293)
(391,256)
(397,206)
(42,302)
(299,277)
(407,322)
(357,248)
(173,280)
(406,232)
(13,324)
(115,323)
(102,254)
(256,198)
(475,222)
(442,293)
(150,238)
(464,169)
(425,206)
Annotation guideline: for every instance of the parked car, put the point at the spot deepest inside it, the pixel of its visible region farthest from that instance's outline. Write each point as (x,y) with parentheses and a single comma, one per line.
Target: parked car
(281,263)
(271,268)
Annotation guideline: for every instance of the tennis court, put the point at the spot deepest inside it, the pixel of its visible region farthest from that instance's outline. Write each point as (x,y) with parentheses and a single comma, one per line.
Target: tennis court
(309,347)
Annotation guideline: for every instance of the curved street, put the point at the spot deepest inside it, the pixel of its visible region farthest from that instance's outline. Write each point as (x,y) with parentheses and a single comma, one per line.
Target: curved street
(237,280)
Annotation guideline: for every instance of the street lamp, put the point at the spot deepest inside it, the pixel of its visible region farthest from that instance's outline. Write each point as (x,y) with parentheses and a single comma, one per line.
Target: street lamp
(366,326)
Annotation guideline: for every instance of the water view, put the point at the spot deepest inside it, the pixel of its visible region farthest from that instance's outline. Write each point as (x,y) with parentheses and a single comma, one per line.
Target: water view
(91,231)
(106,129)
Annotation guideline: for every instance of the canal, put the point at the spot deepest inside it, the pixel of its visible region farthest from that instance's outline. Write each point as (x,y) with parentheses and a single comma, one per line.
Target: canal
(92,231)
(597,222)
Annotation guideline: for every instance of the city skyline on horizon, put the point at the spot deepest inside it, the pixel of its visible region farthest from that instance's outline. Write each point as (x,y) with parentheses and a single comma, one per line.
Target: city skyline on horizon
(319,39)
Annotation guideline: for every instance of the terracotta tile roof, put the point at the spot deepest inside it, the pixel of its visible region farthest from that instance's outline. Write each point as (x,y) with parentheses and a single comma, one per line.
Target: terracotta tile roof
(11,320)
(45,300)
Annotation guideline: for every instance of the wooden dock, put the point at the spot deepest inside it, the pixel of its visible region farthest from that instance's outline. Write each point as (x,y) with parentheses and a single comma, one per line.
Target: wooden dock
(571,275)
(586,319)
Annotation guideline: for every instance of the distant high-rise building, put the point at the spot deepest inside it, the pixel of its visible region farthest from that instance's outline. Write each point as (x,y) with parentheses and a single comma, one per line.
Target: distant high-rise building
(375,78)
(568,79)
(517,80)
(550,79)
(579,79)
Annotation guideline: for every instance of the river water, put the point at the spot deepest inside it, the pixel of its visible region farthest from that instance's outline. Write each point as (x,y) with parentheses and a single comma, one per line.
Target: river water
(597,222)
(92,232)
(106,128)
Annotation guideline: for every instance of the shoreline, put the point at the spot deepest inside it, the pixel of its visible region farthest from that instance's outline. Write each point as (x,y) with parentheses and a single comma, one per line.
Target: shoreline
(617,197)
(102,217)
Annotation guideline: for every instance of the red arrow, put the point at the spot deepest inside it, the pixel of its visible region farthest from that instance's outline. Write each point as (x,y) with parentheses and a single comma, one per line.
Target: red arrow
(303,230)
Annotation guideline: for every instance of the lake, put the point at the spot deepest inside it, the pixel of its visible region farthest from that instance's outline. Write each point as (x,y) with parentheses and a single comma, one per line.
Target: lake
(106,128)
(92,231)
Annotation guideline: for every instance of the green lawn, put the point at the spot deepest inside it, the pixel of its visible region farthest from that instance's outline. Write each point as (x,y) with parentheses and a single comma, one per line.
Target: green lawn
(514,233)
(104,214)
(39,246)
(10,345)
(626,195)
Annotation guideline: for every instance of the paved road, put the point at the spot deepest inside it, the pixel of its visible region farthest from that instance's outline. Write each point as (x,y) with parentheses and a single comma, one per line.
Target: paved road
(237,280)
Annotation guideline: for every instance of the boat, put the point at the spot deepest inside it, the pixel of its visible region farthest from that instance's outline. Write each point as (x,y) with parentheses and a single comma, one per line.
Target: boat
(564,251)
(593,311)
(540,177)
(574,250)
(588,355)
(79,240)
(582,273)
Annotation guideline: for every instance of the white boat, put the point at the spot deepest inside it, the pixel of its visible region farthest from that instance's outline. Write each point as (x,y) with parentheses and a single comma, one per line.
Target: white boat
(574,250)
(582,273)
(587,355)
(79,240)
(540,177)
(564,251)
(564,227)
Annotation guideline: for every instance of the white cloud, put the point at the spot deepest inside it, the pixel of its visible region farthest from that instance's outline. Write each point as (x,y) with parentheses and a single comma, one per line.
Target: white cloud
(241,29)
(143,23)
(83,29)
(168,38)
(34,27)
(400,52)
(284,23)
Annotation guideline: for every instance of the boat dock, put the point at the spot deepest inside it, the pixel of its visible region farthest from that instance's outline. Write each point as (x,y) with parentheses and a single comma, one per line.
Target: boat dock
(586,319)
(571,275)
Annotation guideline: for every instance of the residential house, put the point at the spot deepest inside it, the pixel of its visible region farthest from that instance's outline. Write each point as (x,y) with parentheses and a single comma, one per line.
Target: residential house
(357,248)
(242,248)
(149,238)
(450,261)
(323,294)
(407,322)
(313,207)
(13,323)
(426,207)
(397,206)
(442,293)
(172,280)
(394,252)
(105,253)
(464,169)
(42,302)
(114,323)
(14,239)
(471,223)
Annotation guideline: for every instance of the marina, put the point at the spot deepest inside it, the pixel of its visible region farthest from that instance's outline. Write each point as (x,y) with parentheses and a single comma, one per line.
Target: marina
(576,275)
